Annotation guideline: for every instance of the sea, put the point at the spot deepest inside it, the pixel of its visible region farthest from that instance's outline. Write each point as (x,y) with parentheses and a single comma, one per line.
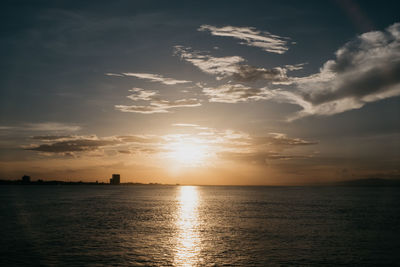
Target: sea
(156,225)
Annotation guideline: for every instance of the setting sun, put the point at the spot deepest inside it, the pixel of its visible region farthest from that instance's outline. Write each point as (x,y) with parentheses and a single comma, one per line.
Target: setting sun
(188,153)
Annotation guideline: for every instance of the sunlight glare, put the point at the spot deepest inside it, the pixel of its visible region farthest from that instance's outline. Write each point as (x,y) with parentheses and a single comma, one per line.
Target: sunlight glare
(188,240)
(188,153)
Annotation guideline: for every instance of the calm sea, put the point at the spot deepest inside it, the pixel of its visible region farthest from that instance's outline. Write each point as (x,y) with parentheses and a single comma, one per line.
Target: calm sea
(198,226)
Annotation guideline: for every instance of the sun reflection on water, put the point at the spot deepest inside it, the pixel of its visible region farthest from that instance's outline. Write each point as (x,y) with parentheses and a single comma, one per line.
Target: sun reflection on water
(188,241)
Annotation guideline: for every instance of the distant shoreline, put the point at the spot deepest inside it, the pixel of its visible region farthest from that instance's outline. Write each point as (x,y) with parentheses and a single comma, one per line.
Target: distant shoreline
(369,182)
(55,182)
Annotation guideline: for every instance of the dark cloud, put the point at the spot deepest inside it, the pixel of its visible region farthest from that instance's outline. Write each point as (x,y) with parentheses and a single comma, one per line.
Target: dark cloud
(246,73)
(230,67)
(139,138)
(365,70)
(71,144)
(357,85)
(51,137)
(78,145)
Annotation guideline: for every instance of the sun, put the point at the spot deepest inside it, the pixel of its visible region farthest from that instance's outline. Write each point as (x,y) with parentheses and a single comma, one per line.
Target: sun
(188,153)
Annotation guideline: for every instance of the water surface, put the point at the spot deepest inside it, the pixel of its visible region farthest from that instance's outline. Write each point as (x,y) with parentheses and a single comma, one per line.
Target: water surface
(198,226)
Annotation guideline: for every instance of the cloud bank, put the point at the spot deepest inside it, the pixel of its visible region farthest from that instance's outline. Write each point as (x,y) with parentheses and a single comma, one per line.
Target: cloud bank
(224,144)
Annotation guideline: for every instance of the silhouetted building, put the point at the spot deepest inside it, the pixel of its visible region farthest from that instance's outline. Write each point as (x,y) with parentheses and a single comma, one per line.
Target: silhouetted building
(115,179)
(26,179)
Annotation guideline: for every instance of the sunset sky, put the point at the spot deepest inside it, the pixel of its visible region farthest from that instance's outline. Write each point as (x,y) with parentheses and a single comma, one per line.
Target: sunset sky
(200,92)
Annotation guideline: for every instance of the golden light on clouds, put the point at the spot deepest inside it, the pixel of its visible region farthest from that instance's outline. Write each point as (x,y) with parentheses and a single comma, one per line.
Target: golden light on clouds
(189,154)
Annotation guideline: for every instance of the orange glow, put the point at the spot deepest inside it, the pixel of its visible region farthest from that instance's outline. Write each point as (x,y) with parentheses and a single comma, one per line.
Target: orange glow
(188,153)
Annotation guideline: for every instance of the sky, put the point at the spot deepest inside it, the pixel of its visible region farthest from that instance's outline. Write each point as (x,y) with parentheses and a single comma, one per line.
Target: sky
(200,92)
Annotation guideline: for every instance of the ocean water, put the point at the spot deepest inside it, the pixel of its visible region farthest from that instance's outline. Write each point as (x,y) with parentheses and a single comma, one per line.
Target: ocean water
(199,226)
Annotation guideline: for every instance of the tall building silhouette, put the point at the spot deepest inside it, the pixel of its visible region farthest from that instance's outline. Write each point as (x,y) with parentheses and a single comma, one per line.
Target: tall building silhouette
(26,179)
(115,179)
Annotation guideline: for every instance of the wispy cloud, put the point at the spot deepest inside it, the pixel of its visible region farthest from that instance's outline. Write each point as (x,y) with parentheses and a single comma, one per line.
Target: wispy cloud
(160,106)
(232,67)
(52,126)
(264,149)
(141,94)
(281,139)
(156,104)
(250,36)
(114,74)
(234,93)
(294,67)
(185,125)
(44,126)
(151,77)
(220,66)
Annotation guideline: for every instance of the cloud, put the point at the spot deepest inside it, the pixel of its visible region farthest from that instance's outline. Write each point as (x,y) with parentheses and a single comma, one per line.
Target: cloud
(221,66)
(251,37)
(69,144)
(230,67)
(52,126)
(185,125)
(366,69)
(79,144)
(223,144)
(295,67)
(141,139)
(114,74)
(156,105)
(6,128)
(52,137)
(141,109)
(265,149)
(246,73)
(141,94)
(159,106)
(44,126)
(152,77)
(234,93)
(280,139)
(259,157)
(260,149)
